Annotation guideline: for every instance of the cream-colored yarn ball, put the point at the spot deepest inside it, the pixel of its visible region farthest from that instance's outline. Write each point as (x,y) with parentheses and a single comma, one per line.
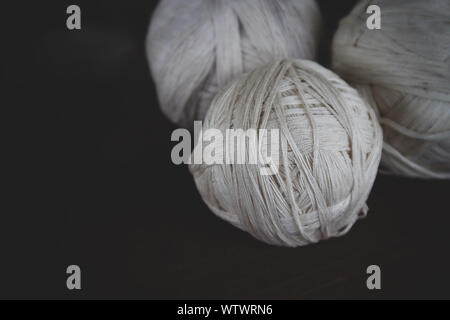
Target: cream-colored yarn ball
(403,70)
(195,47)
(330,147)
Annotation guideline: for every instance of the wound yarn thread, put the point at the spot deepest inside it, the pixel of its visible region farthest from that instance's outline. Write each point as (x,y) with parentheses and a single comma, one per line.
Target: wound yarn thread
(330,148)
(403,70)
(195,47)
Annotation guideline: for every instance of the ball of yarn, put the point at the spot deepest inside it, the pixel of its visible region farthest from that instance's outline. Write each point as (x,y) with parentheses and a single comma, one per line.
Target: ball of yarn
(403,70)
(195,47)
(329,151)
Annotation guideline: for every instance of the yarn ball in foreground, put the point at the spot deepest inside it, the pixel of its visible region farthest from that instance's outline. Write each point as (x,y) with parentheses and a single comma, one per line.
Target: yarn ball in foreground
(329,151)
(403,70)
(195,47)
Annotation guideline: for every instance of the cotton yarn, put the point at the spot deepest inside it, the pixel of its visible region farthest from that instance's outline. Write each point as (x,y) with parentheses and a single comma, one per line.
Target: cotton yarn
(330,148)
(195,47)
(403,70)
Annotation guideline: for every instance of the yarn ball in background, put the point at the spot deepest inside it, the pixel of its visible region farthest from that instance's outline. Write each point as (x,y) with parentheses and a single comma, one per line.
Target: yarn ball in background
(195,47)
(330,148)
(403,70)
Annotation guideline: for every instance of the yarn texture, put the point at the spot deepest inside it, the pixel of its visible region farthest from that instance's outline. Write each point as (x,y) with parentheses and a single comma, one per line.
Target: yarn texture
(195,47)
(330,148)
(403,70)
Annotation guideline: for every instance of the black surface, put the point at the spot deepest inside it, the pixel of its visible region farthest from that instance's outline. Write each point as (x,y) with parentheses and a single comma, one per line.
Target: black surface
(89,181)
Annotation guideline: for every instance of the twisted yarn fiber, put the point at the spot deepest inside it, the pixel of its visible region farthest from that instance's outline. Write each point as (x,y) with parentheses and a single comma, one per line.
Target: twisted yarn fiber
(403,70)
(330,147)
(195,47)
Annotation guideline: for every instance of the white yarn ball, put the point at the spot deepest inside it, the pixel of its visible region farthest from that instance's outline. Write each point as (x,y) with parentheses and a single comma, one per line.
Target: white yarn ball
(330,147)
(195,47)
(403,70)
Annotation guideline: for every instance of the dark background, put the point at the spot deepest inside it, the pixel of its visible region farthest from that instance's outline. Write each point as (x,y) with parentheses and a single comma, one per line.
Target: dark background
(88,181)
